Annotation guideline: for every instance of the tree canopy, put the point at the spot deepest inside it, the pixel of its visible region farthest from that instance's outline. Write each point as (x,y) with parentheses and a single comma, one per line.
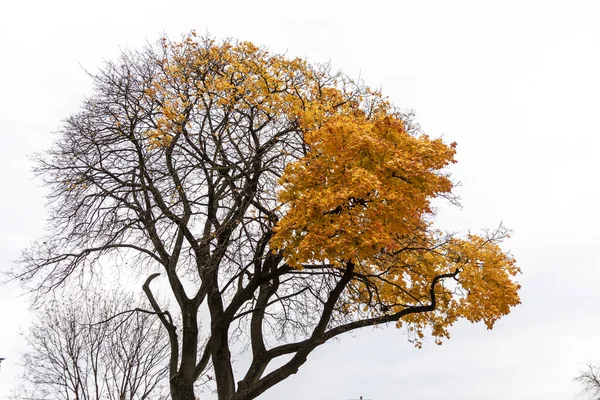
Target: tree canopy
(290,202)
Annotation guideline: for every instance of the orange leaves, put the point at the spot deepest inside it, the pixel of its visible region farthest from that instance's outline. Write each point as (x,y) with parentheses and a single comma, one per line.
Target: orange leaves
(364,183)
(198,75)
(362,194)
(357,185)
(486,273)
(483,290)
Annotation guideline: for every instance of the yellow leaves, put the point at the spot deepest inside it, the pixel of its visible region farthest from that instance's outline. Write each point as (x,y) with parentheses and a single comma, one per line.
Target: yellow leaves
(77,184)
(199,74)
(151,92)
(361,193)
(230,76)
(364,183)
(483,290)
(486,273)
(158,139)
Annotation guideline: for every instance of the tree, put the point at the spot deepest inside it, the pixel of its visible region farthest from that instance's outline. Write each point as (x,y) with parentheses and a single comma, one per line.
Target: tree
(96,347)
(295,202)
(589,379)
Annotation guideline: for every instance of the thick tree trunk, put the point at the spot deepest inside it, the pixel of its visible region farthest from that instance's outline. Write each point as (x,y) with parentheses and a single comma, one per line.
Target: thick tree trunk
(223,371)
(182,389)
(219,340)
(182,384)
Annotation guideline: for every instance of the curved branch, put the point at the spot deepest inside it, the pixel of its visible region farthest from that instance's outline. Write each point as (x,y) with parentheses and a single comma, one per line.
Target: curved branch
(167,323)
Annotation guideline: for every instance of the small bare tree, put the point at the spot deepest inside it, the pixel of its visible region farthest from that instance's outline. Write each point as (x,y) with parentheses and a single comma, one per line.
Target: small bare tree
(589,379)
(96,347)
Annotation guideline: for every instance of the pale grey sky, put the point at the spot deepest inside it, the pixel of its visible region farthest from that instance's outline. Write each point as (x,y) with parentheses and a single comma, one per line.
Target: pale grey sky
(515,83)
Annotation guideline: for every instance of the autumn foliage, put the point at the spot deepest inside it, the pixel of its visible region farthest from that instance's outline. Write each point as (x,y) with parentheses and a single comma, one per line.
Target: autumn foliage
(295,201)
(362,194)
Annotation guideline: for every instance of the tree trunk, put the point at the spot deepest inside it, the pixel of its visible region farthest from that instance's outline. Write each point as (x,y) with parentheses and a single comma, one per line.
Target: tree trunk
(223,371)
(182,389)
(182,384)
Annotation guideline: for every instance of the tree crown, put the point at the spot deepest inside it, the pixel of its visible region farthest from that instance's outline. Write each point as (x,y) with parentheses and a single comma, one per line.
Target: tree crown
(296,201)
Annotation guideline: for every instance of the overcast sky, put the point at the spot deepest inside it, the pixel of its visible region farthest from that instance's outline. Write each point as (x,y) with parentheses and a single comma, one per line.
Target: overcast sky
(516,84)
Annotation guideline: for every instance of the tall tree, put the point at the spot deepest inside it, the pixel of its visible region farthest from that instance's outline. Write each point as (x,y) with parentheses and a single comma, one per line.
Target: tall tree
(295,202)
(95,347)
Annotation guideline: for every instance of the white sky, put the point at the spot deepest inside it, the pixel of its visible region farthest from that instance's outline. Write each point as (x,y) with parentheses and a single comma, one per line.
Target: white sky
(515,83)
